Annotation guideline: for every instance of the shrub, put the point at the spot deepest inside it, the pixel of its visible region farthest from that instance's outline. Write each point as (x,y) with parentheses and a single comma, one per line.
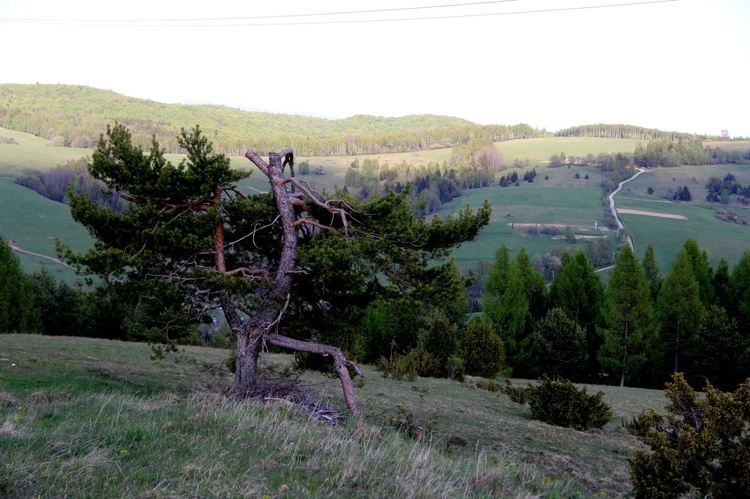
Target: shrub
(702,445)
(516,393)
(440,339)
(415,363)
(484,351)
(560,403)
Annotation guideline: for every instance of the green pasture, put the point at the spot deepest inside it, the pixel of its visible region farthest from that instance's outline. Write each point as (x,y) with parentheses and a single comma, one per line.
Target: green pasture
(529,203)
(539,150)
(555,196)
(718,238)
(90,418)
(694,177)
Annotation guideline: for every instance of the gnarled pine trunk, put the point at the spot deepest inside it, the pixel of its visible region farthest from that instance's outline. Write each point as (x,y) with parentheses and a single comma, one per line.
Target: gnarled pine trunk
(258,330)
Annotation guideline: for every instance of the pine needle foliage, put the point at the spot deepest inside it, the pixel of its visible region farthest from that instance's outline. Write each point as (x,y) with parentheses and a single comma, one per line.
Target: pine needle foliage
(702,446)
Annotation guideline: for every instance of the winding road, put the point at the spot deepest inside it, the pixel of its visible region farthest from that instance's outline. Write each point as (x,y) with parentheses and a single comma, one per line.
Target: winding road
(614,210)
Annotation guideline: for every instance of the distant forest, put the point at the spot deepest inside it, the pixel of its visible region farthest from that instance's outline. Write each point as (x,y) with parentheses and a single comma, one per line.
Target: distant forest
(75,116)
(632,132)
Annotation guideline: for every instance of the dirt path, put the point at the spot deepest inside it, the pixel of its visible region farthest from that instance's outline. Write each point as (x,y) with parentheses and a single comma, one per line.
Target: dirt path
(46,257)
(614,211)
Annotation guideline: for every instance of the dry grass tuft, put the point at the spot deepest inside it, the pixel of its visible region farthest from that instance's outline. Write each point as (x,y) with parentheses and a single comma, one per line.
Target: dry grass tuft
(38,398)
(60,397)
(9,429)
(7,400)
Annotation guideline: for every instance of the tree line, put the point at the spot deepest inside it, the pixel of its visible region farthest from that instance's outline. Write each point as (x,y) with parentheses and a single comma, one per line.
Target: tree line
(472,165)
(619,131)
(55,183)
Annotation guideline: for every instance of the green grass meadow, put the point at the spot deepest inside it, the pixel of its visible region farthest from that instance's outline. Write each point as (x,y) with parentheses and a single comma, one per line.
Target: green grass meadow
(555,197)
(718,238)
(97,418)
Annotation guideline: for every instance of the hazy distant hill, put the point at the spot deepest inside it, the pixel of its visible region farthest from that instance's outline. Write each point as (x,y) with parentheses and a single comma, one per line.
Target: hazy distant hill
(72,115)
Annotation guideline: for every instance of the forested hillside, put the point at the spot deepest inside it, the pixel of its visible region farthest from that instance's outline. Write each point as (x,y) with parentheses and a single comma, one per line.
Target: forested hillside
(75,116)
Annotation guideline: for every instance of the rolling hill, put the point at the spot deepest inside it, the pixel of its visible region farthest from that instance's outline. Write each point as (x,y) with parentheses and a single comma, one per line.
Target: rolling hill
(72,115)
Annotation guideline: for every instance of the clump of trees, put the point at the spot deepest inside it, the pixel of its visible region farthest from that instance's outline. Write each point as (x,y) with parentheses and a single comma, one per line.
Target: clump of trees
(428,186)
(17,310)
(721,190)
(55,183)
(637,331)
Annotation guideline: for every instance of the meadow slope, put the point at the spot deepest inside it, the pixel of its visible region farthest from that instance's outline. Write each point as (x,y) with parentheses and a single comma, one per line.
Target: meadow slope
(91,417)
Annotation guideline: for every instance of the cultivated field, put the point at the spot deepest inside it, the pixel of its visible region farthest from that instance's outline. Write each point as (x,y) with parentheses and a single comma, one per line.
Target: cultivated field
(89,417)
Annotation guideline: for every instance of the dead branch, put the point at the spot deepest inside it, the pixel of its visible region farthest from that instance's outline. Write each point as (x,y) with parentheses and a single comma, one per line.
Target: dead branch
(340,362)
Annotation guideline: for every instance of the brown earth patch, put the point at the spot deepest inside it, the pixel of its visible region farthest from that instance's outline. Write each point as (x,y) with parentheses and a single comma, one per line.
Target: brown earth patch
(626,211)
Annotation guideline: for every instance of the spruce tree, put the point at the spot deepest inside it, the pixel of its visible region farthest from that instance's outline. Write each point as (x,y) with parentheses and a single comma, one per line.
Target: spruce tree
(702,271)
(504,302)
(739,292)
(556,347)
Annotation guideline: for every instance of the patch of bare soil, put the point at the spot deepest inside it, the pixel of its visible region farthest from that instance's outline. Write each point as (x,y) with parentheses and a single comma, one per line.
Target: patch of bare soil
(627,211)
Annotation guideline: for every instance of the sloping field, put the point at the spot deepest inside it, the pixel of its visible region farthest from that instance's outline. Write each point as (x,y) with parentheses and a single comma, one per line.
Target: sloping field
(718,238)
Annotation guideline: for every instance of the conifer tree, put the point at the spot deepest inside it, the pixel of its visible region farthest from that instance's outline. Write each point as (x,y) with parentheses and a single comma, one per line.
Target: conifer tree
(720,351)
(628,315)
(651,271)
(18,313)
(739,292)
(702,271)
(556,347)
(720,282)
(504,302)
(579,292)
(192,227)
(680,309)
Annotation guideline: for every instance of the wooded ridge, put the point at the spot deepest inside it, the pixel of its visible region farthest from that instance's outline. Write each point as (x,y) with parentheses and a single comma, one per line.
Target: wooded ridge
(75,116)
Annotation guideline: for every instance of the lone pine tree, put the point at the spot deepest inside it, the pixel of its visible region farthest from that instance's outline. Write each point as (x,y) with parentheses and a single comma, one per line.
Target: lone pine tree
(192,227)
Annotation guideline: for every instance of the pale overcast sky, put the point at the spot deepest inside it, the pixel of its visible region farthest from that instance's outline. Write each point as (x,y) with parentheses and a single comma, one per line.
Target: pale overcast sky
(679,65)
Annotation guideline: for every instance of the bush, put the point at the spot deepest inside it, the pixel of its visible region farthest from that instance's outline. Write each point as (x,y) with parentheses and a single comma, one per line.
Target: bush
(440,340)
(484,351)
(408,366)
(702,445)
(560,403)
(516,393)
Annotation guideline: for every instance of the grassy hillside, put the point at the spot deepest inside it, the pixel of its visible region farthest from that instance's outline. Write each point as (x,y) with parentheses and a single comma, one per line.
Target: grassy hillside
(92,417)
